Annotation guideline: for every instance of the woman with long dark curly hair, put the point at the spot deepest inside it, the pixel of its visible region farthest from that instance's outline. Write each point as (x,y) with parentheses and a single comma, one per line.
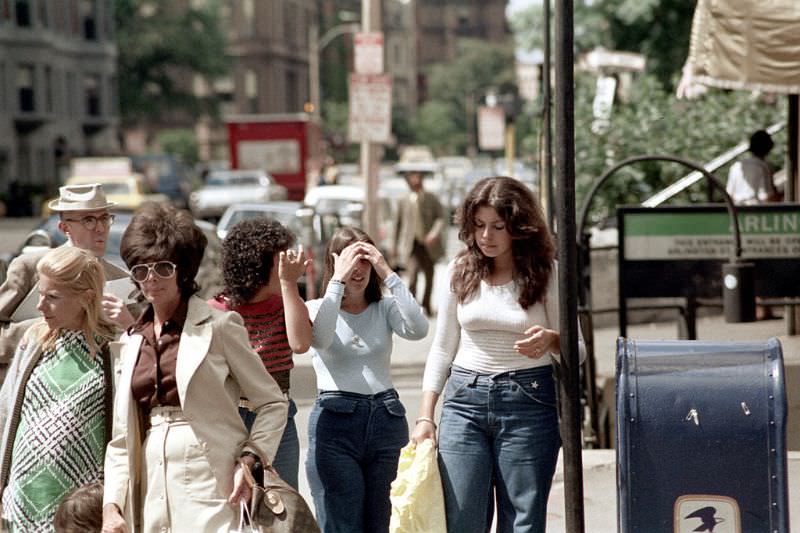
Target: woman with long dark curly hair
(495,343)
(260,270)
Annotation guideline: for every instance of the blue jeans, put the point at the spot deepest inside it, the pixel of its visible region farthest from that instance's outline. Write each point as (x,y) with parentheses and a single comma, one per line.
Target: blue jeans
(287,460)
(354,444)
(498,434)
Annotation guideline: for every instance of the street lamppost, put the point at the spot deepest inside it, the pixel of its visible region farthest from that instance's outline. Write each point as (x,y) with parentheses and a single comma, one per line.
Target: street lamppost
(315,46)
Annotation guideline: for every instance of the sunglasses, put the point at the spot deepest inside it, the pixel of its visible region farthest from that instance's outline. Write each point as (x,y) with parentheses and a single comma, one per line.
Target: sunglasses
(162,269)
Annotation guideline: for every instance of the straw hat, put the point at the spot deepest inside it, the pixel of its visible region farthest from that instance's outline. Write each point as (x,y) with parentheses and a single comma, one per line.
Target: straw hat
(86,197)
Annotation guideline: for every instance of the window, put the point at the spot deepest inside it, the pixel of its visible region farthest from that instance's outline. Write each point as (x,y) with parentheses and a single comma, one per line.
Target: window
(70,100)
(249,16)
(23,9)
(88,17)
(48,89)
(91,86)
(2,86)
(251,91)
(44,18)
(292,92)
(25,88)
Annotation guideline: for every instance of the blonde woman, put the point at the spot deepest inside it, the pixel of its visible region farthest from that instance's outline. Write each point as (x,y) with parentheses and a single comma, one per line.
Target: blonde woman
(55,403)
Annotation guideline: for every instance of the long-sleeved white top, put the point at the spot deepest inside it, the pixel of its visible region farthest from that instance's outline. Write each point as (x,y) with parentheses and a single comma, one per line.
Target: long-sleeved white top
(351,352)
(479,334)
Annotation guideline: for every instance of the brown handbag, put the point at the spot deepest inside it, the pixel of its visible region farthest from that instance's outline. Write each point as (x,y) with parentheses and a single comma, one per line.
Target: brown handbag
(277,507)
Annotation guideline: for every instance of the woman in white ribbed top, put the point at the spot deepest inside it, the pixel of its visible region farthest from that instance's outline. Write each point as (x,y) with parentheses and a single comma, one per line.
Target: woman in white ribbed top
(494,347)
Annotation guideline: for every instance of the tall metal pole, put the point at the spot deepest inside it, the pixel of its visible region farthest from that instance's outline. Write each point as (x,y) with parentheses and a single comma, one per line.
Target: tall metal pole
(547,107)
(313,67)
(370,21)
(790,192)
(569,373)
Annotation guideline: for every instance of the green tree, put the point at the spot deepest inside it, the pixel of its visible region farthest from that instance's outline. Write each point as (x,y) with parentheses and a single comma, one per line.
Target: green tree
(479,67)
(157,41)
(658,29)
(181,143)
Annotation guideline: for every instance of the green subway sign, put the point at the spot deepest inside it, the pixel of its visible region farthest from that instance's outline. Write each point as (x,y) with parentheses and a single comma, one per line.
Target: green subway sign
(698,233)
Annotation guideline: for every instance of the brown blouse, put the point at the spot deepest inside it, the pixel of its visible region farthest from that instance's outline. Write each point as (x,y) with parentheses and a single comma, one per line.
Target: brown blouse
(153,383)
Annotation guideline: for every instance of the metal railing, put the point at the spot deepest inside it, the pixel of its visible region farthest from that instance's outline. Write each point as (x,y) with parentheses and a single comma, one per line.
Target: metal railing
(712,166)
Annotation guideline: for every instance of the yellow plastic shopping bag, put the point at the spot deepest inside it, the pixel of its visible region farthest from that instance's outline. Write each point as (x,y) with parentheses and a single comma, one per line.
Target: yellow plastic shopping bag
(416,495)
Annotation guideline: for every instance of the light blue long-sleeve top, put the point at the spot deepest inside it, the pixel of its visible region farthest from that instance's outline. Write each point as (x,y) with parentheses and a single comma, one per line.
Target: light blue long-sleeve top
(351,352)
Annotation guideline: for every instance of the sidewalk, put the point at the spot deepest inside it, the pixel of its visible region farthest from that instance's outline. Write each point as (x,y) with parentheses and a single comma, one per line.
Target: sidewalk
(599,466)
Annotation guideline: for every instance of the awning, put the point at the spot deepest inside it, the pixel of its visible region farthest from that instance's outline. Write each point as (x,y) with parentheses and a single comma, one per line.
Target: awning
(745,44)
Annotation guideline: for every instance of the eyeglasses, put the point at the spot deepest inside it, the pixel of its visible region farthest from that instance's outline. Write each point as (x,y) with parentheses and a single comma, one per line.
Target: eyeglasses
(91,222)
(162,269)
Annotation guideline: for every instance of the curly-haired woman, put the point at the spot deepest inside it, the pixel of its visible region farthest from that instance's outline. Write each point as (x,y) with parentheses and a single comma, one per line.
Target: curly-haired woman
(494,345)
(260,272)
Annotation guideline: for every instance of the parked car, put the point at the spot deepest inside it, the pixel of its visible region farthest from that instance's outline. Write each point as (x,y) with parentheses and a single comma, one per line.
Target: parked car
(167,175)
(209,277)
(343,205)
(299,219)
(224,188)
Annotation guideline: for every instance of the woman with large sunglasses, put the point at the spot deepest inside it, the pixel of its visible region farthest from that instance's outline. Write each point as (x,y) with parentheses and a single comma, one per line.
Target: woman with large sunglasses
(178,444)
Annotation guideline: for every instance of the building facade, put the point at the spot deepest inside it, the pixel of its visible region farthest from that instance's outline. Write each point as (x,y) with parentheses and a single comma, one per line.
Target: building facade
(58,89)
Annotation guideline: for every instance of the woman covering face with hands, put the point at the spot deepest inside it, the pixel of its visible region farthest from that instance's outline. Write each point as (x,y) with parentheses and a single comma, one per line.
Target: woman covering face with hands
(357,425)
(495,342)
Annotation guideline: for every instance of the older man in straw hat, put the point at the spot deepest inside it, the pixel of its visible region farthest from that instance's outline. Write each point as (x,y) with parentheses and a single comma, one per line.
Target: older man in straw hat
(85,221)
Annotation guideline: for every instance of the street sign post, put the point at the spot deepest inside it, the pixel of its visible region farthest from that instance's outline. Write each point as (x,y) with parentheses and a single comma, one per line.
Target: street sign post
(369,52)
(491,128)
(370,116)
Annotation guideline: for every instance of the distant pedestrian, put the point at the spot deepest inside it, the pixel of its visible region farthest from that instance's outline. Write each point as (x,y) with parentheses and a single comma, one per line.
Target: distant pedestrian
(55,404)
(750,180)
(85,219)
(260,271)
(495,343)
(174,461)
(81,511)
(420,224)
(357,425)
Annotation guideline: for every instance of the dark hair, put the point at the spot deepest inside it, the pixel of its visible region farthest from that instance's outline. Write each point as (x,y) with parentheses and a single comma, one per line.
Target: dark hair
(160,232)
(81,510)
(532,246)
(341,239)
(761,143)
(248,253)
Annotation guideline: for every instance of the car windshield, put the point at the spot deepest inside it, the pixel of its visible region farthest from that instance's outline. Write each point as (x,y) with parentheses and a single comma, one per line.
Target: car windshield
(116,188)
(287,218)
(227,181)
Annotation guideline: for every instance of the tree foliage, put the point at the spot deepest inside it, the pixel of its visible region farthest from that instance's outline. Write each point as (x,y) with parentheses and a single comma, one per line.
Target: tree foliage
(455,86)
(658,29)
(156,41)
(653,121)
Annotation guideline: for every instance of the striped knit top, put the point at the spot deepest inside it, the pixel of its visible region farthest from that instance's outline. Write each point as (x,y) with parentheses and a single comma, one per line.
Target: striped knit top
(266,326)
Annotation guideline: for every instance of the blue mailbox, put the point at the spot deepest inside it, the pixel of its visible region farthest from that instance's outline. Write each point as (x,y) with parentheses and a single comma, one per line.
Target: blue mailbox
(701,437)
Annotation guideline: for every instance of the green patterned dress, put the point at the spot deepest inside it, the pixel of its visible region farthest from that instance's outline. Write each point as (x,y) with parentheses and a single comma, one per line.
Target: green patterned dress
(60,440)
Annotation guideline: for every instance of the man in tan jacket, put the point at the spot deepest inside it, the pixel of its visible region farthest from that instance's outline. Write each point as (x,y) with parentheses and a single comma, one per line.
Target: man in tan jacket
(419,235)
(86,222)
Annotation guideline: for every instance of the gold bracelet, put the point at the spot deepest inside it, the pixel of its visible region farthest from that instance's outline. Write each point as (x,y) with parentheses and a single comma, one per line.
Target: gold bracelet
(425,419)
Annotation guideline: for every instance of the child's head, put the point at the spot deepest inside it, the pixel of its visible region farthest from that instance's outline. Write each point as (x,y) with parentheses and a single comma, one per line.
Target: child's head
(81,511)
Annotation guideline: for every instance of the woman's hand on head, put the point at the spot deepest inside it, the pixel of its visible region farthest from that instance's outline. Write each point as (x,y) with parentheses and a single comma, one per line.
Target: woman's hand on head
(376,259)
(538,342)
(112,520)
(345,261)
(292,264)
